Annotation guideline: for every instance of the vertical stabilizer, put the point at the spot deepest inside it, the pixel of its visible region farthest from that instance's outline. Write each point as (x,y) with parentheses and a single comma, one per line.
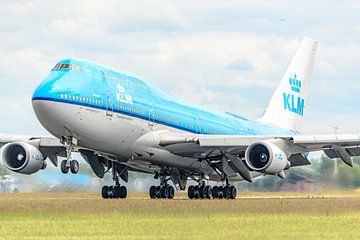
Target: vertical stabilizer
(287,105)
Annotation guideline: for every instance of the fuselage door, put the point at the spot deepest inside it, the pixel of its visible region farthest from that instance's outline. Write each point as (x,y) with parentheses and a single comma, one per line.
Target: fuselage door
(198,125)
(109,106)
(151,117)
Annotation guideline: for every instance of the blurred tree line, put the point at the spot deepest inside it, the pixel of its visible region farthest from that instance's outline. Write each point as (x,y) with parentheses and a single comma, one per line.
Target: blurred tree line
(323,172)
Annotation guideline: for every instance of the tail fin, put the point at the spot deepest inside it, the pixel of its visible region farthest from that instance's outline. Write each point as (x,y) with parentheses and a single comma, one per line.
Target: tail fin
(287,105)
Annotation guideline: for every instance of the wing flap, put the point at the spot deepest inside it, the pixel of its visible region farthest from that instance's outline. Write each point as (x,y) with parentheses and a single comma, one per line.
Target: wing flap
(230,141)
(342,139)
(299,159)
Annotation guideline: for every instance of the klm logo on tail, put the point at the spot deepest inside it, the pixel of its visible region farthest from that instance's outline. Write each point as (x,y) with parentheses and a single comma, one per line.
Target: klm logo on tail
(292,101)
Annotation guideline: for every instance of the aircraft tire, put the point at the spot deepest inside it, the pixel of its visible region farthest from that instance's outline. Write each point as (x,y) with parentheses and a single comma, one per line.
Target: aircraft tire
(123,192)
(152,192)
(74,166)
(191,192)
(44,165)
(202,192)
(105,192)
(196,192)
(158,195)
(215,192)
(232,192)
(63,167)
(171,192)
(221,192)
(208,192)
(116,192)
(226,192)
(164,192)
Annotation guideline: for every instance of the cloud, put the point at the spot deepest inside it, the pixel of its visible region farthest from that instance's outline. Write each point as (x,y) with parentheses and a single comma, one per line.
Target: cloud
(240,65)
(228,55)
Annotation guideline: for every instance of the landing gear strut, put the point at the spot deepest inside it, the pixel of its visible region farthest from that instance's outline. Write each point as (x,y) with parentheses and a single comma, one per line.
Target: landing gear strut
(69,163)
(164,191)
(115,191)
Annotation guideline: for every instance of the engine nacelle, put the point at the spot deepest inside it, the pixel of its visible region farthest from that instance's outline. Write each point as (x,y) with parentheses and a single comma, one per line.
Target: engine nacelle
(266,157)
(22,158)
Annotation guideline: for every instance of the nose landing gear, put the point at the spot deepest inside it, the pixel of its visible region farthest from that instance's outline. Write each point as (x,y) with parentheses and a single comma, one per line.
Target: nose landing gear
(69,163)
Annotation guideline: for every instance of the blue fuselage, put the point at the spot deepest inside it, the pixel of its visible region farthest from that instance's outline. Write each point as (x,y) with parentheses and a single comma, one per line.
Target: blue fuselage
(84,83)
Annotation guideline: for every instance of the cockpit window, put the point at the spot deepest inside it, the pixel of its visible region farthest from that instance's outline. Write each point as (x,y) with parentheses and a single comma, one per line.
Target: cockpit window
(66,66)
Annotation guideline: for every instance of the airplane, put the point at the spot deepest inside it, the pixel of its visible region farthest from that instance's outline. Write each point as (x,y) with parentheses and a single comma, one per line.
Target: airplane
(119,122)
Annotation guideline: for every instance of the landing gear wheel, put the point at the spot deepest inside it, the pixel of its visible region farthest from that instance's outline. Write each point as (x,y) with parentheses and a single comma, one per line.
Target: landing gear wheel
(158,195)
(202,192)
(208,192)
(74,166)
(221,192)
(152,192)
(116,192)
(196,192)
(232,191)
(44,165)
(122,192)
(110,192)
(191,192)
(171,192)
(64,167)
(164,192)
(215,192)
(105,192)
(226,192)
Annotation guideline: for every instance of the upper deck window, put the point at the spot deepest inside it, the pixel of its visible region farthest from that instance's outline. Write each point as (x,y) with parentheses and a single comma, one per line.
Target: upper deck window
(66,66)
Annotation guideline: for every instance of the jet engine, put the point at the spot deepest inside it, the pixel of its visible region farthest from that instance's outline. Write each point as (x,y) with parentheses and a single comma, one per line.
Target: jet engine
(266,157)
(22,158)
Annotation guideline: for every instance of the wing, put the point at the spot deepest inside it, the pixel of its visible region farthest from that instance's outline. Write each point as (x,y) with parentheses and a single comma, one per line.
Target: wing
(239,149)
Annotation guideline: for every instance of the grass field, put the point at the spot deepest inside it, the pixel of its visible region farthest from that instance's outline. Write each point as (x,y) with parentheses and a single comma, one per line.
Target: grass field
(334,215)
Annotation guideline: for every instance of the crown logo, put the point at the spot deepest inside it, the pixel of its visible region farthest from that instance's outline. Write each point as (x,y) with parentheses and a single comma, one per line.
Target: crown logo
(295,84)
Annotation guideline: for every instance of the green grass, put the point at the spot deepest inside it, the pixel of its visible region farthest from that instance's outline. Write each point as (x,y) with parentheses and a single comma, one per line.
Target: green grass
(253,216)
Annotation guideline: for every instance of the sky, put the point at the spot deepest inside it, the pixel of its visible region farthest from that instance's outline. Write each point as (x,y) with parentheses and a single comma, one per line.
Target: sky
(226,55)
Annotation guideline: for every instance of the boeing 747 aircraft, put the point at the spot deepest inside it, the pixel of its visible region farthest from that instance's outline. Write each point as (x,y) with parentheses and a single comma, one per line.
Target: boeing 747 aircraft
(119,123)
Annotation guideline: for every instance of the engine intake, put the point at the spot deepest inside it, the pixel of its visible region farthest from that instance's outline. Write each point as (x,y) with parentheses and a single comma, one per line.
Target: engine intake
(22,158)
(266,157)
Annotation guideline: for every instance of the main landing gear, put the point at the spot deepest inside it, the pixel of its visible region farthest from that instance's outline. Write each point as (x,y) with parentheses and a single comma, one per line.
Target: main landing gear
(226,192)
(69,163)
(115,191)
(164,191)
(203,191)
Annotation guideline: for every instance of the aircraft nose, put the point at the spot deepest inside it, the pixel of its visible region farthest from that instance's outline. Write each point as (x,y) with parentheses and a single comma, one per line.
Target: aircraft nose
(41,97)
(44,94)
(41,105)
